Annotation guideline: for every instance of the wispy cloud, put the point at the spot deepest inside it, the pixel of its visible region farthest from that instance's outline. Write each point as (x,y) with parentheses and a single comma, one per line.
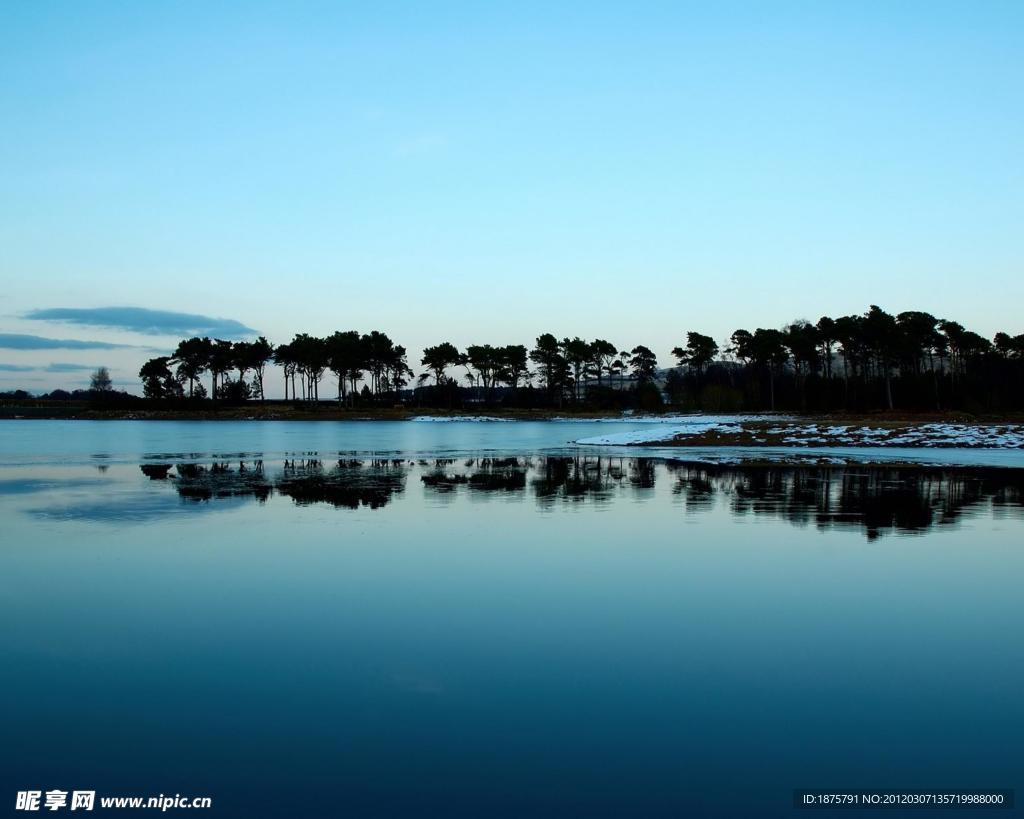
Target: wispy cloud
(20,341)
(146,321)
(59,367)
(15,368)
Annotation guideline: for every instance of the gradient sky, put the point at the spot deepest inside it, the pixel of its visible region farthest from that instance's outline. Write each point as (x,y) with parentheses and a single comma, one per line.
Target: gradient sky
(484,172)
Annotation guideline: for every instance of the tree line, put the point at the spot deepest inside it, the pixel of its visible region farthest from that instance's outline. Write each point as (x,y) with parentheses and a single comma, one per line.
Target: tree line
(911,360)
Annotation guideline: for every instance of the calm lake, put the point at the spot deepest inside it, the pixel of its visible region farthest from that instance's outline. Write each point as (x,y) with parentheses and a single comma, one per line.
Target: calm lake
(480,619)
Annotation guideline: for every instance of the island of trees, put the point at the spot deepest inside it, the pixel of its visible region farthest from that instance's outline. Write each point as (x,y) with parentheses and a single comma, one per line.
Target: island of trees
(912,361)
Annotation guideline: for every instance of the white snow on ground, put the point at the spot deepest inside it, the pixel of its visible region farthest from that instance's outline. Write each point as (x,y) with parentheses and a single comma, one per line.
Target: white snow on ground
(643,429)
(989,436)
(686,421)
(925,456)
(444,419)
(687,425)
(642,436)
(994,436)
(681,420)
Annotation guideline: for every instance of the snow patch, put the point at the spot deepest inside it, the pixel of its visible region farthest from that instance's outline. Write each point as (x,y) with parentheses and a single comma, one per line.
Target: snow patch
(800,435)
(994,436)
(642,436)
(695,419)
(446,419)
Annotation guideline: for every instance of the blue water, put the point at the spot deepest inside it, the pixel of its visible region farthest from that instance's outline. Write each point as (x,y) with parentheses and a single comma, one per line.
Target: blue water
(31,441)
(127,440)
(479,620)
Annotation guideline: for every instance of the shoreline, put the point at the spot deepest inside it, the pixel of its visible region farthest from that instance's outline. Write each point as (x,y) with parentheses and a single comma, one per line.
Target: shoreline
(847,439)
(290,412)
(809,437)
(279,411)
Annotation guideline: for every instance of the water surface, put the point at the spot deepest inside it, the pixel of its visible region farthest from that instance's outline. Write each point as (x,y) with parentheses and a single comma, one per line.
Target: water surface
(449,623)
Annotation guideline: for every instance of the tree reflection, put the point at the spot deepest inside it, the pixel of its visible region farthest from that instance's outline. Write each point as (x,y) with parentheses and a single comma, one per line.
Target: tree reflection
(156,472)
(347,484)
(197,483)
(485,475)
(592,478)
(876,500)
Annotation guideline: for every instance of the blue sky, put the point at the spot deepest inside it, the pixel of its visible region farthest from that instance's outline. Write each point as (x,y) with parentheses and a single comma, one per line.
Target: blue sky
(481,172)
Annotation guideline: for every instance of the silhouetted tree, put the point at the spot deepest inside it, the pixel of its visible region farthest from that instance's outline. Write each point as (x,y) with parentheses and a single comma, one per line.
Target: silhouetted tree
(547,355)
(911,359)
(486,361)
(158,380)
(100,380)
(742,345)
(617,370)
(826,339)
(801,338)
(254,355)
(644,363)
(310,357)
(346,358)
(221,359)
(513,365)
(768,348)
(1007,346)
(602,354)
(396,369)
(576,353)
(700,350)
(439,358)
(192,358)
(881,336)
(850,335)
(284,357)
(379,356)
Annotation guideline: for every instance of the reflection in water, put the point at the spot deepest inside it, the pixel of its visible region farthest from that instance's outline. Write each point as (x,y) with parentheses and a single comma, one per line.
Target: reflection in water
(349,483)
(487,475)
(155,472)
(877,500)
(577,479)
(515,636)
(346,483)
(201,483)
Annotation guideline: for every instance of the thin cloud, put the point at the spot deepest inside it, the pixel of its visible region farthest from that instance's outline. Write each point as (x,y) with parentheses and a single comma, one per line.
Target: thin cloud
(59,367)
(15,368)
(20,341)
(143,320)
